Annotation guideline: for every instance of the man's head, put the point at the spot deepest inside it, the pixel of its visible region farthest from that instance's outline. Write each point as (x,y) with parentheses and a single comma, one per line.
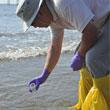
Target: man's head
(28,11)
(44,17)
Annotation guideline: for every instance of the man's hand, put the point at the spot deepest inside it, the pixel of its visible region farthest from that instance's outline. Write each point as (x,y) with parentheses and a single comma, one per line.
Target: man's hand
(77,62)
(37,81)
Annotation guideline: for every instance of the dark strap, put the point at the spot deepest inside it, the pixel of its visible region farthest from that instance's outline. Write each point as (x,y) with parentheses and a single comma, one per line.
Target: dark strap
(107,18)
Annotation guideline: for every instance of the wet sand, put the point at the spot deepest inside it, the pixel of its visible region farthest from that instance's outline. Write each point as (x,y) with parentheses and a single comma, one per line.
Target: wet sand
(58,92)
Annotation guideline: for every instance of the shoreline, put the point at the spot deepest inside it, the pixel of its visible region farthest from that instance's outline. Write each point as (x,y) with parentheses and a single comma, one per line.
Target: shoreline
(58,92)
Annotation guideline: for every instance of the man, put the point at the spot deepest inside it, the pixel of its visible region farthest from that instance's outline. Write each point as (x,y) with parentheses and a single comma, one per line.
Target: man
(91,18)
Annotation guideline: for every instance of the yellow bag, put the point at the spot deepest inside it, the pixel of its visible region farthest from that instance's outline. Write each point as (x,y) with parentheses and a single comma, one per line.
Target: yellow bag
(85,84)
(99,96)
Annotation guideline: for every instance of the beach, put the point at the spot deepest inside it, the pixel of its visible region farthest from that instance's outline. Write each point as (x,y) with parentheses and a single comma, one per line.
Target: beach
(58,92)
(22,57)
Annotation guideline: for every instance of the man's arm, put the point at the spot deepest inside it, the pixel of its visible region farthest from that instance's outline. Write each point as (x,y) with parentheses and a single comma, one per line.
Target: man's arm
(89,38)
(51,60)
(54,51)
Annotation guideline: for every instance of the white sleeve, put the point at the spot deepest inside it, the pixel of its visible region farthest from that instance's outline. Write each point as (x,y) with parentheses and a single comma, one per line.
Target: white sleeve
(78,14)
(56,31)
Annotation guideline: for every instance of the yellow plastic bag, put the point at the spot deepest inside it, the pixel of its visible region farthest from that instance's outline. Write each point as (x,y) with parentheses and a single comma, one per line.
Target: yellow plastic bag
(85,84)
(98,97)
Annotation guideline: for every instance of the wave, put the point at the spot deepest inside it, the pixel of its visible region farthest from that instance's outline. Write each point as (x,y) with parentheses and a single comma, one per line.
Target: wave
(10,34)
(17,53)
(20,33)
(14,46)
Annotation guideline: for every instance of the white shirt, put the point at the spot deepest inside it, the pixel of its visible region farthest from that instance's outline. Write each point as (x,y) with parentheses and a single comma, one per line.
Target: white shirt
(76,14)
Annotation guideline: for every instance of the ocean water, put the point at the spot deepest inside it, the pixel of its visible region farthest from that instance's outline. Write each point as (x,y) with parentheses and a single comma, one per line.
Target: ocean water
(15,44)
(22,56)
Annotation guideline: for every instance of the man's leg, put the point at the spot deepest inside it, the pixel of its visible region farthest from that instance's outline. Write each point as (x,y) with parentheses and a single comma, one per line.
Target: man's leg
(85,84)
(98,97)
(98,62)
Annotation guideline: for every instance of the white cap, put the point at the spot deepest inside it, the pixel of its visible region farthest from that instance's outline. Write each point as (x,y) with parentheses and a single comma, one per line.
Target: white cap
(27,10)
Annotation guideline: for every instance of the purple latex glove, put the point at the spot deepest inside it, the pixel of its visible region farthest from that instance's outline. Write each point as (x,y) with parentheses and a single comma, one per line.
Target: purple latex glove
(77,62)
(37,81)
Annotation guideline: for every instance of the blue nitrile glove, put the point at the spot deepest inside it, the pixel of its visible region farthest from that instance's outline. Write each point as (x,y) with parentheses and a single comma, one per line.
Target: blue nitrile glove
(37,81)
(77,62)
